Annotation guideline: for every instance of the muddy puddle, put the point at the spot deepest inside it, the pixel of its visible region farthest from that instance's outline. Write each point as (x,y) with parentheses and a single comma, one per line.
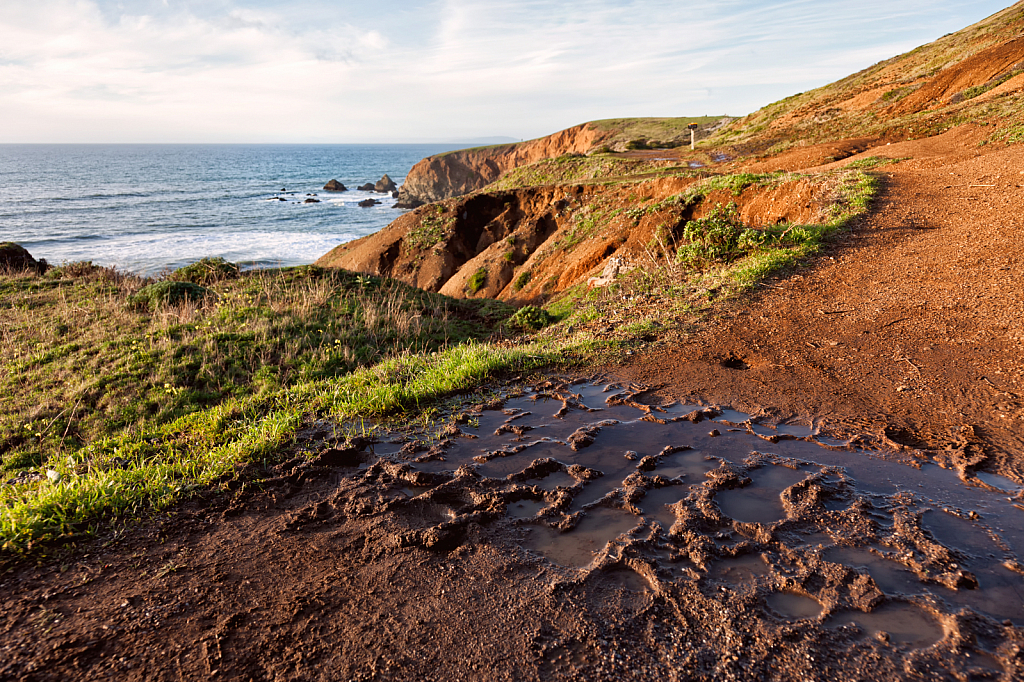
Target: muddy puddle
(589,480)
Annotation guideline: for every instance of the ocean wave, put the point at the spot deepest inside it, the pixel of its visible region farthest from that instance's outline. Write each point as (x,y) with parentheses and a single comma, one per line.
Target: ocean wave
(145,208)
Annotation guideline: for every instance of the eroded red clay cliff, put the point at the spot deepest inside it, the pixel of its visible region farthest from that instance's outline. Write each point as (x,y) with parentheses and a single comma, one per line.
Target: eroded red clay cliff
(526,245)
(456,173)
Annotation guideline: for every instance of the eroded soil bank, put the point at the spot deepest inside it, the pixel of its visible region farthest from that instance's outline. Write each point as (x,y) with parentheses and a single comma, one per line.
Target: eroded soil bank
(576,532)
(908,332)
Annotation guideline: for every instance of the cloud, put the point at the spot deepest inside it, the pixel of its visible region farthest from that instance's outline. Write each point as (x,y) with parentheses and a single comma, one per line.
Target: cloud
(299,70)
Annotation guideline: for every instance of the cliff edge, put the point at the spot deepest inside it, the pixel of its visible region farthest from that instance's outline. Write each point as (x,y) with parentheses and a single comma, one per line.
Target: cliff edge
(454,174)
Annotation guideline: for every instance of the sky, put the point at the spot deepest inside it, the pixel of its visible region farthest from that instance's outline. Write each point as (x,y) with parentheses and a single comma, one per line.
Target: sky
(305,71)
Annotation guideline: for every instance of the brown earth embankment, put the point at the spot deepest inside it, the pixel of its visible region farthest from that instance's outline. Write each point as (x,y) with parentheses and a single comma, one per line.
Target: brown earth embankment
(526,245)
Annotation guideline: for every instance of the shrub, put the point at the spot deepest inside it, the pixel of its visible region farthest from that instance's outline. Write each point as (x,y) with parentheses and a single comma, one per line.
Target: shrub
(714,237)
(531,317)
(168,293)
(523,279)
(79,269)
(206,271)
(477,281)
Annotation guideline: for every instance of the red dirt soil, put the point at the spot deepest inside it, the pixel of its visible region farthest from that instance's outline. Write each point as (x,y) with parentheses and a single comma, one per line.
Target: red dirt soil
(911,330)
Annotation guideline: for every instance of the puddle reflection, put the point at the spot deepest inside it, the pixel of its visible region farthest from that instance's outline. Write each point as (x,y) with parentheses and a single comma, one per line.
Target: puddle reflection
(862,499)
(579,546)
(903,623)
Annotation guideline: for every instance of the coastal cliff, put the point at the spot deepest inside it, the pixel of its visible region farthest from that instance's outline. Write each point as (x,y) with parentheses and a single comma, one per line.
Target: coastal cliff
(456,173)
(528,244)
(453,174)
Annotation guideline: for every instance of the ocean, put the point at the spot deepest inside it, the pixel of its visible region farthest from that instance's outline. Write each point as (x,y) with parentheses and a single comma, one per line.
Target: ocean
(147,208)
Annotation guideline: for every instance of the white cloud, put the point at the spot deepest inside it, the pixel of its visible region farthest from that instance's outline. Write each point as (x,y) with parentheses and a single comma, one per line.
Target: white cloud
(234,70)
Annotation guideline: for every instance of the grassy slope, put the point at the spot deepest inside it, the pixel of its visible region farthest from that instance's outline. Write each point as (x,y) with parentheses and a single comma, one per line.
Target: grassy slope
(81,362)
(579,169)
(815,116)
(662,129)
(623,130)
(131,408)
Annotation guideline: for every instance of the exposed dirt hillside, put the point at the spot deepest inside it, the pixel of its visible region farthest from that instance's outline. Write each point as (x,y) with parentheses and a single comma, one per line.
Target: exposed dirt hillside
(968,75)
(529,244)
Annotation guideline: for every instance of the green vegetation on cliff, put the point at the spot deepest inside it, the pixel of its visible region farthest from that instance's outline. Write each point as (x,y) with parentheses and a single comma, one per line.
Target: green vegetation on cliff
(693,266)
(594,169)
(653,132)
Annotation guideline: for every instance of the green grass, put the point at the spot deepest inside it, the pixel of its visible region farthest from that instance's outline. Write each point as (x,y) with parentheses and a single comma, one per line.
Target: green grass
(578,169)
(128,475)
(476,281)
(81,362)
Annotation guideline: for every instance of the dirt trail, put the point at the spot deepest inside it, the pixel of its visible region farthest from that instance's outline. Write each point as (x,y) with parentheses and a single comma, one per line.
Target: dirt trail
(910,330)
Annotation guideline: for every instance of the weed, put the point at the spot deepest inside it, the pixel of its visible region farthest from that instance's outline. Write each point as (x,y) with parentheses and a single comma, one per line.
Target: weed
(433,227)
(872,162)
(715,237)
(531,318)
(169,293)
(206,271)
(477,280)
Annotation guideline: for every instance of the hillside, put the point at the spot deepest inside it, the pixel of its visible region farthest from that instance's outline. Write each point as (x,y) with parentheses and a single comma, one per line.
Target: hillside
(975,74)
(456,173)
(586,198)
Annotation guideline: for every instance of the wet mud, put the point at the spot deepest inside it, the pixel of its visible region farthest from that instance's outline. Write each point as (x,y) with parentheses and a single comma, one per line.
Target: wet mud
(572,530)
(872,549)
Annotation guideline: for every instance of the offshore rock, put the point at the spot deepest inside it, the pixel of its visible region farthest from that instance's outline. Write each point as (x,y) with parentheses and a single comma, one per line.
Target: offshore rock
(335,186)
(385,185)
(407,202)
(367,187)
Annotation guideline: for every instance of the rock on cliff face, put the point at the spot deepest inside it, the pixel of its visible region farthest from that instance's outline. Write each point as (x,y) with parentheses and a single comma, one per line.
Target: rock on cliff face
(440,177)
(15,257)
